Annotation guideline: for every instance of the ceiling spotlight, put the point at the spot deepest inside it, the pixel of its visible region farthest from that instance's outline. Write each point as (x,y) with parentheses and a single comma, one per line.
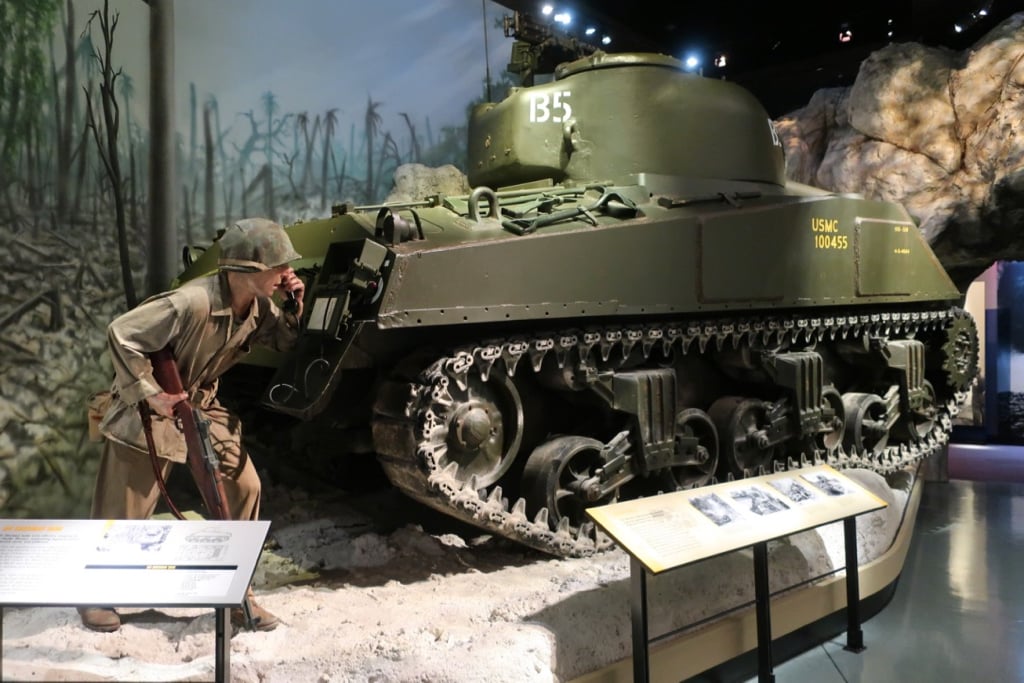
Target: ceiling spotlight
(563,18)
(958,28)
(983,12)
(845,36)
(606,40)
(692,62)
(590,30)
(720,61)
(547,9)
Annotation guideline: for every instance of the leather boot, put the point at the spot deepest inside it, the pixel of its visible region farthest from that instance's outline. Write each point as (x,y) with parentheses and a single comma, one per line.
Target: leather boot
(103,619)
(262,620)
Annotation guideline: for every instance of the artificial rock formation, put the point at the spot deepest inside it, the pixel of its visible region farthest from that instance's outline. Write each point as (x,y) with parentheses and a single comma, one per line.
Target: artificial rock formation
(413,182)
(933,129)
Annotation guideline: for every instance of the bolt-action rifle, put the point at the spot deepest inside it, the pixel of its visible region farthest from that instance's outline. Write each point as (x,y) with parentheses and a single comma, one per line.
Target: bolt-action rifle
(202,460)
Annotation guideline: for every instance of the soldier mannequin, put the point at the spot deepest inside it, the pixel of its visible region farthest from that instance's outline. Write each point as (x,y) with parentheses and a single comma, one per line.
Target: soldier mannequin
(209,323)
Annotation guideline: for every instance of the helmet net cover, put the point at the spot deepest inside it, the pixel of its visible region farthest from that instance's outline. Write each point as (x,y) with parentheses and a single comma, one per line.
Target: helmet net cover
(255,244)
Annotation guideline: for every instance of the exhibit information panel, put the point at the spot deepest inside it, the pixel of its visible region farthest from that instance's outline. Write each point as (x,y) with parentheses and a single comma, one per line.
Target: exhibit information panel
(187,563)
(674,529)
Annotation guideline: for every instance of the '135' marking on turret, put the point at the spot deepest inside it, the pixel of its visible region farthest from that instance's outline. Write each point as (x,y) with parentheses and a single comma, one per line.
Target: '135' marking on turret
(552,107)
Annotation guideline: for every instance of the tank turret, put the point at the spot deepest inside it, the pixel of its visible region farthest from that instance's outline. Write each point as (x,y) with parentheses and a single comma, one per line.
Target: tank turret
(613,118)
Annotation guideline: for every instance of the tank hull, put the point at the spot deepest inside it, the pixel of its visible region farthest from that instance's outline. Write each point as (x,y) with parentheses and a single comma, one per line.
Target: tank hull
(624,305)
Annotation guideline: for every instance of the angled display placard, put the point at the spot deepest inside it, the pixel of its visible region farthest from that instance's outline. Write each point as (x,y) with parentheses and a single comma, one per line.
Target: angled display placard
(675,529)
(190,563)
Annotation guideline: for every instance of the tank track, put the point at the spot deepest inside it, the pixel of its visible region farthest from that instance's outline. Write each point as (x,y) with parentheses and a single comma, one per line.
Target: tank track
(413,407)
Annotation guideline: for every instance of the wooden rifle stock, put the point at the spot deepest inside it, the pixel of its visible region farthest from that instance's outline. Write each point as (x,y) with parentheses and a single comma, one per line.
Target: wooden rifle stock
(201,458)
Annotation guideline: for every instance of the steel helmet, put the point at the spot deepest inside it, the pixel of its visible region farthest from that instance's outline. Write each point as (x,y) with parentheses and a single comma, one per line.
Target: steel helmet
(255,244)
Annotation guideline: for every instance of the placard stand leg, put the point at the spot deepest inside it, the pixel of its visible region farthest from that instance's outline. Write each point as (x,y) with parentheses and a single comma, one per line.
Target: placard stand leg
(854,634)
(222,651)
(638,581)
(762,601)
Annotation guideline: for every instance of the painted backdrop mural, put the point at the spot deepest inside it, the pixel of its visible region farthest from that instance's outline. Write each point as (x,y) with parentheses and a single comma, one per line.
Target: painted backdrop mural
(280,109)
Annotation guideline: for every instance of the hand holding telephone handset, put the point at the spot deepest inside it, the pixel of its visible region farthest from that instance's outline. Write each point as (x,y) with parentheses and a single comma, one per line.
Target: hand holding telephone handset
(292,287)
(291,304)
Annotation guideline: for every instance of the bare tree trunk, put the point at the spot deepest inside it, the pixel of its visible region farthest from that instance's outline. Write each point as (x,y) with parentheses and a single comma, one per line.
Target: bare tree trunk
(268,191)
(227,179)
(191,130)
(81,153)
(107,148)
(33,181)
(133,198)
(229,198)
(186,216)
(65,131)
(245,204)
(323,169)
(269,180)
(162,238)
(208,194)
(96,216)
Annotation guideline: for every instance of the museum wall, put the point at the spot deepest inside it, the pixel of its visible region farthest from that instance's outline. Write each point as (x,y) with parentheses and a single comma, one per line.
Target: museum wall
(283,109)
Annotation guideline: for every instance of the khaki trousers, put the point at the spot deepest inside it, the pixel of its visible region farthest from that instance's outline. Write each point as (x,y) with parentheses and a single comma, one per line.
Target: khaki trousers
(126,487)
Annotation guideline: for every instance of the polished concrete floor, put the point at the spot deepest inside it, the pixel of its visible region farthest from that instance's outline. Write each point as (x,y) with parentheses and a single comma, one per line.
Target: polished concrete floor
(958,610)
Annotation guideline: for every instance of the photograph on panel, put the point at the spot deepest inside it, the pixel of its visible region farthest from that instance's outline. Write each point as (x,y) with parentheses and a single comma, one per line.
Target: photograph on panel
(758,501)
(714,508)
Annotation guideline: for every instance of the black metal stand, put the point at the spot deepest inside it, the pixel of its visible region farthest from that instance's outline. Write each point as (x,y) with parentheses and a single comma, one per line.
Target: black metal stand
(854,634)
(762,602)
(222,651)
(638,608)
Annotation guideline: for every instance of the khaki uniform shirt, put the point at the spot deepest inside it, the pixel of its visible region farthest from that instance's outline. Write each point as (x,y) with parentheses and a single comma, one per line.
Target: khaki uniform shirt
(196,320)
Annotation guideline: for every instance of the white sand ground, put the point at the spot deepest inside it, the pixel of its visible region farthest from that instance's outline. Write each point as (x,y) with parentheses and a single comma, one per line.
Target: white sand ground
(418,603)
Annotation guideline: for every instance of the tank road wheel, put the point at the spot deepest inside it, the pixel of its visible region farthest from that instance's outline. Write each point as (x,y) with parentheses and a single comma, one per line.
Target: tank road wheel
(916,425)
(740,423)
(700,467)
(556,475)
(865,423)
(833,415)
(483,428)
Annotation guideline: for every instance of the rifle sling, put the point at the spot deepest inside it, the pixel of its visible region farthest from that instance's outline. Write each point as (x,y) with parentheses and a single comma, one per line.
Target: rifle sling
(147,427)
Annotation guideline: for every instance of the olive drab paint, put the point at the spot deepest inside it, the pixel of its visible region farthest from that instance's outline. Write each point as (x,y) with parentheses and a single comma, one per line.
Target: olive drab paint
(632,299)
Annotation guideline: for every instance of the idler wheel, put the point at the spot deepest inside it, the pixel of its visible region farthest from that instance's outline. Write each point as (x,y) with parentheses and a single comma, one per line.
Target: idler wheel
(482,428)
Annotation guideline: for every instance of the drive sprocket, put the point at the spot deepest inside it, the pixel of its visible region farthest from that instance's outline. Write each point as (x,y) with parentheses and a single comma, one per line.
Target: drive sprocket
(960,350)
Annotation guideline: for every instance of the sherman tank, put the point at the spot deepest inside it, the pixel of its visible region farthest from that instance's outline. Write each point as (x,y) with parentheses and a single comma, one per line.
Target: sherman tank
(631,300)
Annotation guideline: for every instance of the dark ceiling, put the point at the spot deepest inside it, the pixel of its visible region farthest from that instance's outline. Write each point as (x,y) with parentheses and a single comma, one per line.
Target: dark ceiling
(781,51)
